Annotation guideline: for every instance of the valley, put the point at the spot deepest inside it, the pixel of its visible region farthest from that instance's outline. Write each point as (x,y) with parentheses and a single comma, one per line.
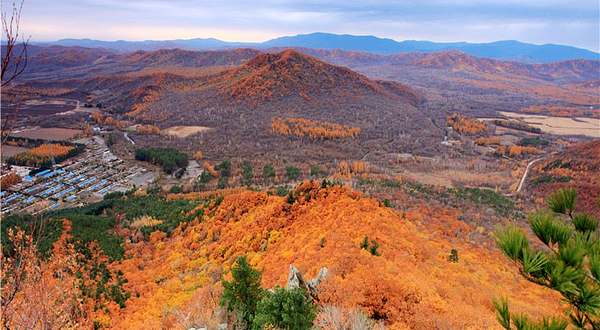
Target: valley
(393,171)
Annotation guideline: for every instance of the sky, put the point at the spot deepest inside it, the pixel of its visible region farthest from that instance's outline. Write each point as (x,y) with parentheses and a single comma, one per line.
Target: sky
(568,22)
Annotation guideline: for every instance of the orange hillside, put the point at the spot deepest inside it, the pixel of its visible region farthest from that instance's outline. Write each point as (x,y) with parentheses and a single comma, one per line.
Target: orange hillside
(411,285)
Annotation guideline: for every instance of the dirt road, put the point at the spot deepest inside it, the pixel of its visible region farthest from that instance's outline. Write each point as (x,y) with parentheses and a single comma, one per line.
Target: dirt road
(522,183)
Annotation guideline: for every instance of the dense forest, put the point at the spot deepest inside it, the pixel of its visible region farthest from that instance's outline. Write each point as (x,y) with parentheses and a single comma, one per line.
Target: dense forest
(170,159)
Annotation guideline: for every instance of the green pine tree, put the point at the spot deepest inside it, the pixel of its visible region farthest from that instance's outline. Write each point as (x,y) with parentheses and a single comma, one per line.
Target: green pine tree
(365,243)
(242,295)
(570,263)
(285,309)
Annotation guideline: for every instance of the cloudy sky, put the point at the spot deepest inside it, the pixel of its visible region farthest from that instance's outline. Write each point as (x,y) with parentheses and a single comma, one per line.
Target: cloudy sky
(570,22)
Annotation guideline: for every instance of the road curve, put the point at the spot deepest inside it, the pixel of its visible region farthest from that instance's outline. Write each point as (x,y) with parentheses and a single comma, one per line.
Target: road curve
(522,183)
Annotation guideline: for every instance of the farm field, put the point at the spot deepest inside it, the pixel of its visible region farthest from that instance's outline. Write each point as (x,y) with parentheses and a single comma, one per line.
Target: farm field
(185,131)
(560,125)
(9,151)
(450,178)
(42,107)
(54,133)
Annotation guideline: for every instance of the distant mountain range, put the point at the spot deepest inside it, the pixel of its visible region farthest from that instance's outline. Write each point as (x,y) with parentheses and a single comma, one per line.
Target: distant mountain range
(503,50)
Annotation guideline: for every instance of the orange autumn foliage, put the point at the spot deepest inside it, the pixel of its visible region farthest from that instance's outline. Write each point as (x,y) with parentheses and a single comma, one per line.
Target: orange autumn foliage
(462,124)
(10,179)
(121,124)
(87,132)
(578,167)
(198,155)
(347,171)
(516,151)
(210,169)
(98,118)
(48,149)
(484,141)
(321,130)
(37,292)
(149,129)
(411,285)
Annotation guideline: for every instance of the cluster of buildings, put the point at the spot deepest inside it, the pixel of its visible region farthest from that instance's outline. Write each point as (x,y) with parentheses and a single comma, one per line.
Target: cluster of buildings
(85,178)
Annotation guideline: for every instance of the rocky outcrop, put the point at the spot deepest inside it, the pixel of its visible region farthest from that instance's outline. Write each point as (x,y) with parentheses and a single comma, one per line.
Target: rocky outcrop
(296,280)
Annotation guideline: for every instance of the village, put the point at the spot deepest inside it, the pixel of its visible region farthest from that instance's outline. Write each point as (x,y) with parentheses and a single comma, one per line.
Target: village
(83,179)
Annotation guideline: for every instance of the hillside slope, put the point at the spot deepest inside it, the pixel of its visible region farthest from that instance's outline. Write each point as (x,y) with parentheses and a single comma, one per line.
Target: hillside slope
(576,167)
(411,285)
(290,72)
(241,102)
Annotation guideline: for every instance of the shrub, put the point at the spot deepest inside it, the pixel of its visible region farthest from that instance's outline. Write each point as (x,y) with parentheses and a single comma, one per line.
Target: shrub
(453,255)
(365,243)
(290,198)
(223,183)
(373,248)
(268,173)
(285,309)
(316,171)
(247,172)
(224,168)
(533,141)
(176,190)
(282,191)
(179,173)
(292,172)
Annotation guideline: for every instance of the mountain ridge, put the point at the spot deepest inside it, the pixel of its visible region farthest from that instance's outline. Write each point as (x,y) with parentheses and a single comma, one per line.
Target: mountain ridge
(504,49)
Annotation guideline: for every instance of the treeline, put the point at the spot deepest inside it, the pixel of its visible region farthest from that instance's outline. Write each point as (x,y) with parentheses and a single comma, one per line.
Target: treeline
(41,156)
(533,141)
(464,125)
(516,125)
(170,159)
(516,151)
(321,130)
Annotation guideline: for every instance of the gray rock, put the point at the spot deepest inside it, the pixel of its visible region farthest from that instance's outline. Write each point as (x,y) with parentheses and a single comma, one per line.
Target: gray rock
(296,280)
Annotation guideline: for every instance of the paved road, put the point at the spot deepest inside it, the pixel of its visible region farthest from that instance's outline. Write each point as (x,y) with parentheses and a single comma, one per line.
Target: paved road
(522,183)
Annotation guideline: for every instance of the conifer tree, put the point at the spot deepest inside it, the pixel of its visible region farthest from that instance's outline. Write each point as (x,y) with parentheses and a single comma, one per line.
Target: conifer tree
(242,295)
(567,262)
(285,309)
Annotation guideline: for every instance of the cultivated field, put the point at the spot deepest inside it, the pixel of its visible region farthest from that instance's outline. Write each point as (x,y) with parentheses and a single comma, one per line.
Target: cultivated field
(42,106)
(185,131)
(460,178)
(53,133)
(560,125)
(9,151)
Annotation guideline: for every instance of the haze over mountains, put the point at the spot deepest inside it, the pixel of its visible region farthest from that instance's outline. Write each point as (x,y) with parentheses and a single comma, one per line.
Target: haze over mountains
(504,50)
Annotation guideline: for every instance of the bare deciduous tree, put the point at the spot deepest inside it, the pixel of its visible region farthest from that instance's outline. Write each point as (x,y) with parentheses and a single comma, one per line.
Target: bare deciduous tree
(14,61)
(14,58)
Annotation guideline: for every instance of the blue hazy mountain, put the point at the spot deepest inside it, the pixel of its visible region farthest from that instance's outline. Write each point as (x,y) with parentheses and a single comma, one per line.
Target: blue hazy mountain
(502,50)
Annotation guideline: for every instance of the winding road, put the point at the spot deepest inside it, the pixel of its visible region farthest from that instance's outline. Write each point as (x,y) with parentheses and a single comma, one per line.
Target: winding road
(522,183)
